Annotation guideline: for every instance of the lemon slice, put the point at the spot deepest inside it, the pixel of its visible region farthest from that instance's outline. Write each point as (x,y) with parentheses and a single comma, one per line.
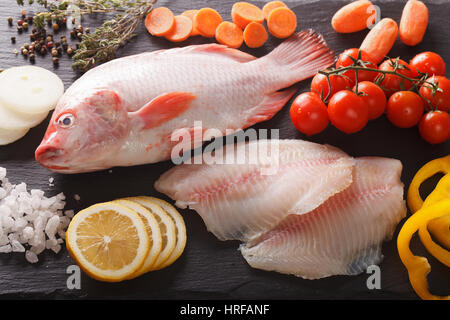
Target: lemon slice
(153,231)
(179,226)
(167,227)
(108,241)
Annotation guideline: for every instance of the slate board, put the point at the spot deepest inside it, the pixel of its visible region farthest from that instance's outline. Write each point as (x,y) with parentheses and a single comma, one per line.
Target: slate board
(209,268)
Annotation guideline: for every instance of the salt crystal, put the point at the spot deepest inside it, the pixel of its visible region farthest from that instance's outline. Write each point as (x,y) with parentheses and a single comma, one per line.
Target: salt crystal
(28,233)
(31,257)
(3,239)
(6,249)
(50,243)
(7,222)
(29,220)
(3,193)
(56,248)
(2,173)
(69,213)
(17,246)
(52,226)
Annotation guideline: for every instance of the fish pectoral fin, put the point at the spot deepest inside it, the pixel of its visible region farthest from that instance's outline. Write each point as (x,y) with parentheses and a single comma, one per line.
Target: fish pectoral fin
(270,105)
(163,108)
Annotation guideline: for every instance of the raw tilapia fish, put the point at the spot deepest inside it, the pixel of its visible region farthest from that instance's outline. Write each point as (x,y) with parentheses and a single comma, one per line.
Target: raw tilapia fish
(124,112)
(320,213)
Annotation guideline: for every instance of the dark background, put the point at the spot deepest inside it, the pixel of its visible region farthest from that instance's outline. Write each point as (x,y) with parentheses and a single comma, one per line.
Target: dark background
(210,269)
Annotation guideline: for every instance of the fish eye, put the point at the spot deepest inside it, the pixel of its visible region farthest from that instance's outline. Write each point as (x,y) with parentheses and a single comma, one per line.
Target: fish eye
(66,120)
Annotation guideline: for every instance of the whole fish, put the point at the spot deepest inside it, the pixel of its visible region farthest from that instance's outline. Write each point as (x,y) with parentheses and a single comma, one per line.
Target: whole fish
(123,113)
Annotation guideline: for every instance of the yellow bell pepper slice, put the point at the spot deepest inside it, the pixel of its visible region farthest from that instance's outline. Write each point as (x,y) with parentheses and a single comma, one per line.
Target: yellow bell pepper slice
(418,267)
(439,227)
(415,202)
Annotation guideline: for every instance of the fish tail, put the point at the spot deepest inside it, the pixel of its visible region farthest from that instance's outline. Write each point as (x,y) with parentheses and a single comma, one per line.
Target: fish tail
(303,54)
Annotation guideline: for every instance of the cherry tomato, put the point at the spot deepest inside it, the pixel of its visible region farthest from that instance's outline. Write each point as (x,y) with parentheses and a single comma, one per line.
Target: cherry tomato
(319,84)
(393,83)
(345,60)
(374,97)
(428,62)
(405,109)
(441,99)
(309,114)
(435,127)
(348,112)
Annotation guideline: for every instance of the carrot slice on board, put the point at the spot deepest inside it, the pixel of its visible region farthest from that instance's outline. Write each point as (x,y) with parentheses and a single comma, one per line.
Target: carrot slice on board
(229,34)
(190,14)
(160,21)
(182,30)
(255,35)
(282,22)
(269,6)
(206,21)
(243,13)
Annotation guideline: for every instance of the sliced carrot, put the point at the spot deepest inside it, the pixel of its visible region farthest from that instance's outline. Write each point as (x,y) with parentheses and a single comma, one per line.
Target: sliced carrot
(243,13)
(269,6)
(354,17)
(414,22)
(182,30)
(380,40)
(160,21)
(206,21)
(255,35)
(282,22)
(229,34)
(190,14)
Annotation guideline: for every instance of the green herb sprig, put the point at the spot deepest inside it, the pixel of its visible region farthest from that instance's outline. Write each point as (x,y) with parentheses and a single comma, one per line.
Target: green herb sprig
(101,45)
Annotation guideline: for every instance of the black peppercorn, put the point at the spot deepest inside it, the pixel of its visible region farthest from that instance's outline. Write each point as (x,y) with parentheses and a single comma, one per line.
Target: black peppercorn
(55,60)
(10,21)
(13,39)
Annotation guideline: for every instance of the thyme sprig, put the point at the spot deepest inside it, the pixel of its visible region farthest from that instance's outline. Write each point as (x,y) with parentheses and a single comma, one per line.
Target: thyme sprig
(101,45)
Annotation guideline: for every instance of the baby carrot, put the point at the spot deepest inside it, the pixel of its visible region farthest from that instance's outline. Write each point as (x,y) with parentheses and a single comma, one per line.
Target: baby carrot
(160,21)
(269,6)
(229,34)
(414,22)
(206,21)
(190,14)
(282,22)
(243,13)
(182,30)
(255,35)
(353,17)
(380,40)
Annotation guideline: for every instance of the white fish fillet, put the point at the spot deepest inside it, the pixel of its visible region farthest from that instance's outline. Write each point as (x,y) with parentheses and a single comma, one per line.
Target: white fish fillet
(341,237)
(241,202)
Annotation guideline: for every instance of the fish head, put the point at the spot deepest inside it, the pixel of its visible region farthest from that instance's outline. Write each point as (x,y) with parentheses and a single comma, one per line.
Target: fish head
(84,133)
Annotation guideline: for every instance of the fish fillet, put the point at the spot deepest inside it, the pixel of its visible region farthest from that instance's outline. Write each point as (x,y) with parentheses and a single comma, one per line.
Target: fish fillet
(243,201)
(344,235)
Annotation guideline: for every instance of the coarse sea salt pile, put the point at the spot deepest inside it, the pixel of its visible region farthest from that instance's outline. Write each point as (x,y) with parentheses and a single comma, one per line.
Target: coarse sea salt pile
(29,221)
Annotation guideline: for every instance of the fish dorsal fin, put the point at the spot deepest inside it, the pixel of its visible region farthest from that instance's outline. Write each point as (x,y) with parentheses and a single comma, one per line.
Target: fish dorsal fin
(212,48)
(163,108)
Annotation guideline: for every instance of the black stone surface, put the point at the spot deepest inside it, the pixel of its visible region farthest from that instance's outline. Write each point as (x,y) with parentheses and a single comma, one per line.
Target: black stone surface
(210,269)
